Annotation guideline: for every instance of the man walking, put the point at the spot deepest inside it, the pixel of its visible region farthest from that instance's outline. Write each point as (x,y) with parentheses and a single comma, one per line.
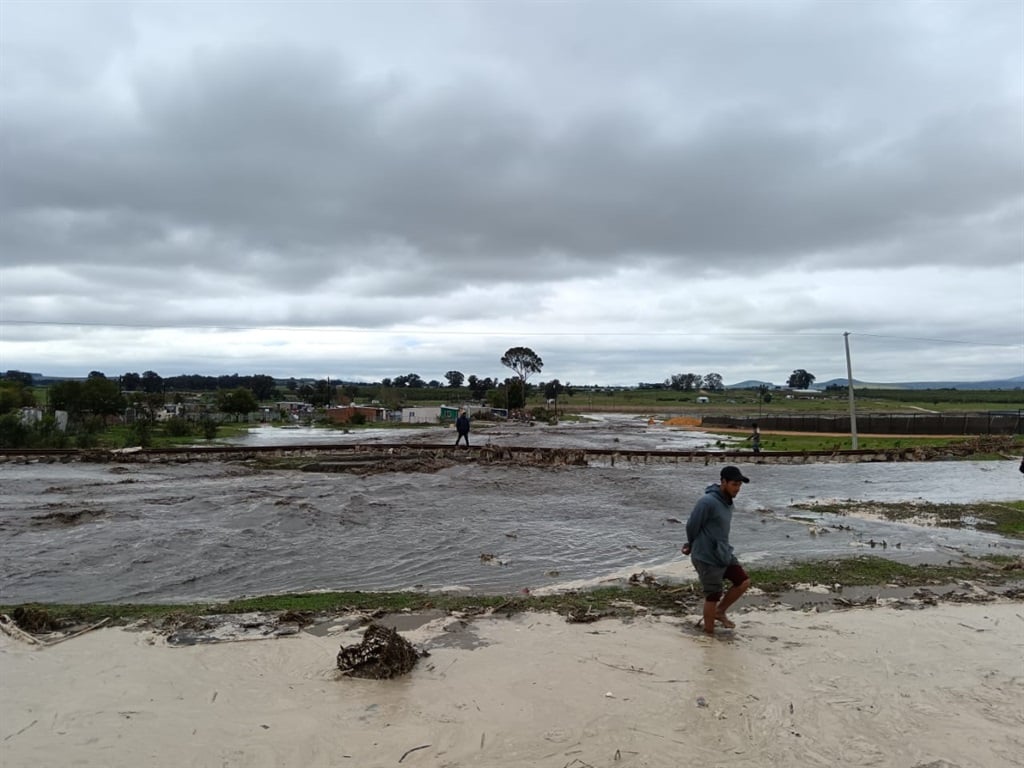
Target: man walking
(462,427)
(707,543)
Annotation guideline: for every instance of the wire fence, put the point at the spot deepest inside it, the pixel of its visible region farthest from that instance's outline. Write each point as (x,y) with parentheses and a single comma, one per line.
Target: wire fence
(981,423)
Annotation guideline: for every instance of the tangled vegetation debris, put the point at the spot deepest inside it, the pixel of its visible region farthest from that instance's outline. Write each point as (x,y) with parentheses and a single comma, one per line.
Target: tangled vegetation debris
(382,654)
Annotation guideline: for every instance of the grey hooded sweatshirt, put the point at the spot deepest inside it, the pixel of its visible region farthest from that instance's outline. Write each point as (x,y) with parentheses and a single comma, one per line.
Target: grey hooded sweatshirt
(707,530)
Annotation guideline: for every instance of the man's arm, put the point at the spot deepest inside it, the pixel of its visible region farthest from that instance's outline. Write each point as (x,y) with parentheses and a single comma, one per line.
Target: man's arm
(695,522)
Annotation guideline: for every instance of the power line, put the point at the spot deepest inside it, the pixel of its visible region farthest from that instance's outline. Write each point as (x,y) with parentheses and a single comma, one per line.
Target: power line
(936,341)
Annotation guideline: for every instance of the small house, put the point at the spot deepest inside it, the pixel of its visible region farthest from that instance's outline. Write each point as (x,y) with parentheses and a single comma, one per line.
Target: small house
(344,414)
(419,415)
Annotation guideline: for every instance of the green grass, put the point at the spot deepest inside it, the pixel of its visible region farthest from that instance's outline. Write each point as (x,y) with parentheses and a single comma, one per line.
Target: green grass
(859,571)
(777,442)
(120,436)
(792,442)
(1005,518)
(870,571)
(745,402)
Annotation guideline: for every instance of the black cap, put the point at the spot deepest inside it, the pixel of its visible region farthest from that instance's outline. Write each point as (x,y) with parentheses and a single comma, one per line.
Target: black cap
(733,473)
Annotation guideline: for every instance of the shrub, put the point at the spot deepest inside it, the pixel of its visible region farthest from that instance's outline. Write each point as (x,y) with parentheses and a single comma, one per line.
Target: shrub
(13,433)
(177,427)
(139,434)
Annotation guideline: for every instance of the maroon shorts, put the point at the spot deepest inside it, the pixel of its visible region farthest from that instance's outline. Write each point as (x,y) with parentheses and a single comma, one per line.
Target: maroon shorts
(712,577)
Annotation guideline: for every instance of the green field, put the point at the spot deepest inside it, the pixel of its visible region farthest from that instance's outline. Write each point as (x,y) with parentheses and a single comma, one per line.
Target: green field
(745,402)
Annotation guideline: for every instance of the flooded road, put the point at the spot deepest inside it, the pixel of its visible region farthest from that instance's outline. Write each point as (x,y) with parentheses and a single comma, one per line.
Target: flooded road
(207,531)
(627,432)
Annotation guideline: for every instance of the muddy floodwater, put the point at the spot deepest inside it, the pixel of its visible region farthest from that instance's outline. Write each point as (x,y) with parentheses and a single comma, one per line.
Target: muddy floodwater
(215,530)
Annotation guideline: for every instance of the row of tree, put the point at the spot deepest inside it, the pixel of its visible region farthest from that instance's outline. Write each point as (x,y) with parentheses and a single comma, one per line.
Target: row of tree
(688,382)
(523,361)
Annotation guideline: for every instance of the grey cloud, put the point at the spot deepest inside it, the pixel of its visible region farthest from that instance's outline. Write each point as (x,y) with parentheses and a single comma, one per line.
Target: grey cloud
(352,169)
(274,148)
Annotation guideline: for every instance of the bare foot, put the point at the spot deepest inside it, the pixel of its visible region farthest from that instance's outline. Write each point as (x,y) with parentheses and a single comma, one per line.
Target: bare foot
(721,619)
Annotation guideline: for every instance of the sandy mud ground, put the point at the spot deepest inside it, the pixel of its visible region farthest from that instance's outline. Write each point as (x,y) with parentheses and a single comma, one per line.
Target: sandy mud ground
(941,687)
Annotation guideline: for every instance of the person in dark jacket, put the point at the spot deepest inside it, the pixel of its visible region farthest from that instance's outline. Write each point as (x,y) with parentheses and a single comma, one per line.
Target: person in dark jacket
(755,440)
(462,427)
(707,544)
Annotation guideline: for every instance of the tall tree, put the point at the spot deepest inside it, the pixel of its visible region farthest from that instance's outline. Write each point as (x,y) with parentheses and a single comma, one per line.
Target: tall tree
(479,387)
(713,381)
(96,397)
(514,395)
(553,389)
(14,395)
(131,382)
(102,396)
(687,382)
(523,361)
(152,382)
(800,379)
(455,378)
(263,386)
(237,401)
(409,380)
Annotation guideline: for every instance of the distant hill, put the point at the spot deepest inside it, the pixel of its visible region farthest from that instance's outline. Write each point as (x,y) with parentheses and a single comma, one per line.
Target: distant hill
(1015,383)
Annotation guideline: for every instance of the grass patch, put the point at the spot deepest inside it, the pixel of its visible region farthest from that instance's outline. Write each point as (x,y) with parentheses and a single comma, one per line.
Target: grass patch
(120,436)
(1005,518)
(976,448)
(860,571)
(870,571)
(776,442)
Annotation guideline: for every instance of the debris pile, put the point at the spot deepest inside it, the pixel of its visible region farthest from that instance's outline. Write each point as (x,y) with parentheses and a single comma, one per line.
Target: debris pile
(35,619)
(34,625)
(188,629)
(580,615)
(382,654)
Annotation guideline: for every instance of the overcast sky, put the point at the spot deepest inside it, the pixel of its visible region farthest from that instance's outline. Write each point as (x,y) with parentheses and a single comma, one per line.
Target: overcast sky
(630,189)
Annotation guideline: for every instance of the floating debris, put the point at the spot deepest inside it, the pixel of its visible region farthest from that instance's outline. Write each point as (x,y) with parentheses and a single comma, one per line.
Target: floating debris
(643,578)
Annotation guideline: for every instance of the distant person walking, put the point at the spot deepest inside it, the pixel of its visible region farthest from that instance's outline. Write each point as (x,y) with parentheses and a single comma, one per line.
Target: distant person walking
(462,427)
(755,439)
(707,543)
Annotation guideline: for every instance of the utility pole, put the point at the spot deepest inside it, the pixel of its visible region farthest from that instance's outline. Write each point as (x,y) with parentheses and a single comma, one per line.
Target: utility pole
(849,390)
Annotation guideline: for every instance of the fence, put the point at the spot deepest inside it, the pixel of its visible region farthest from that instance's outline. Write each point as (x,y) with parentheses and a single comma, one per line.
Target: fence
(986,423)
